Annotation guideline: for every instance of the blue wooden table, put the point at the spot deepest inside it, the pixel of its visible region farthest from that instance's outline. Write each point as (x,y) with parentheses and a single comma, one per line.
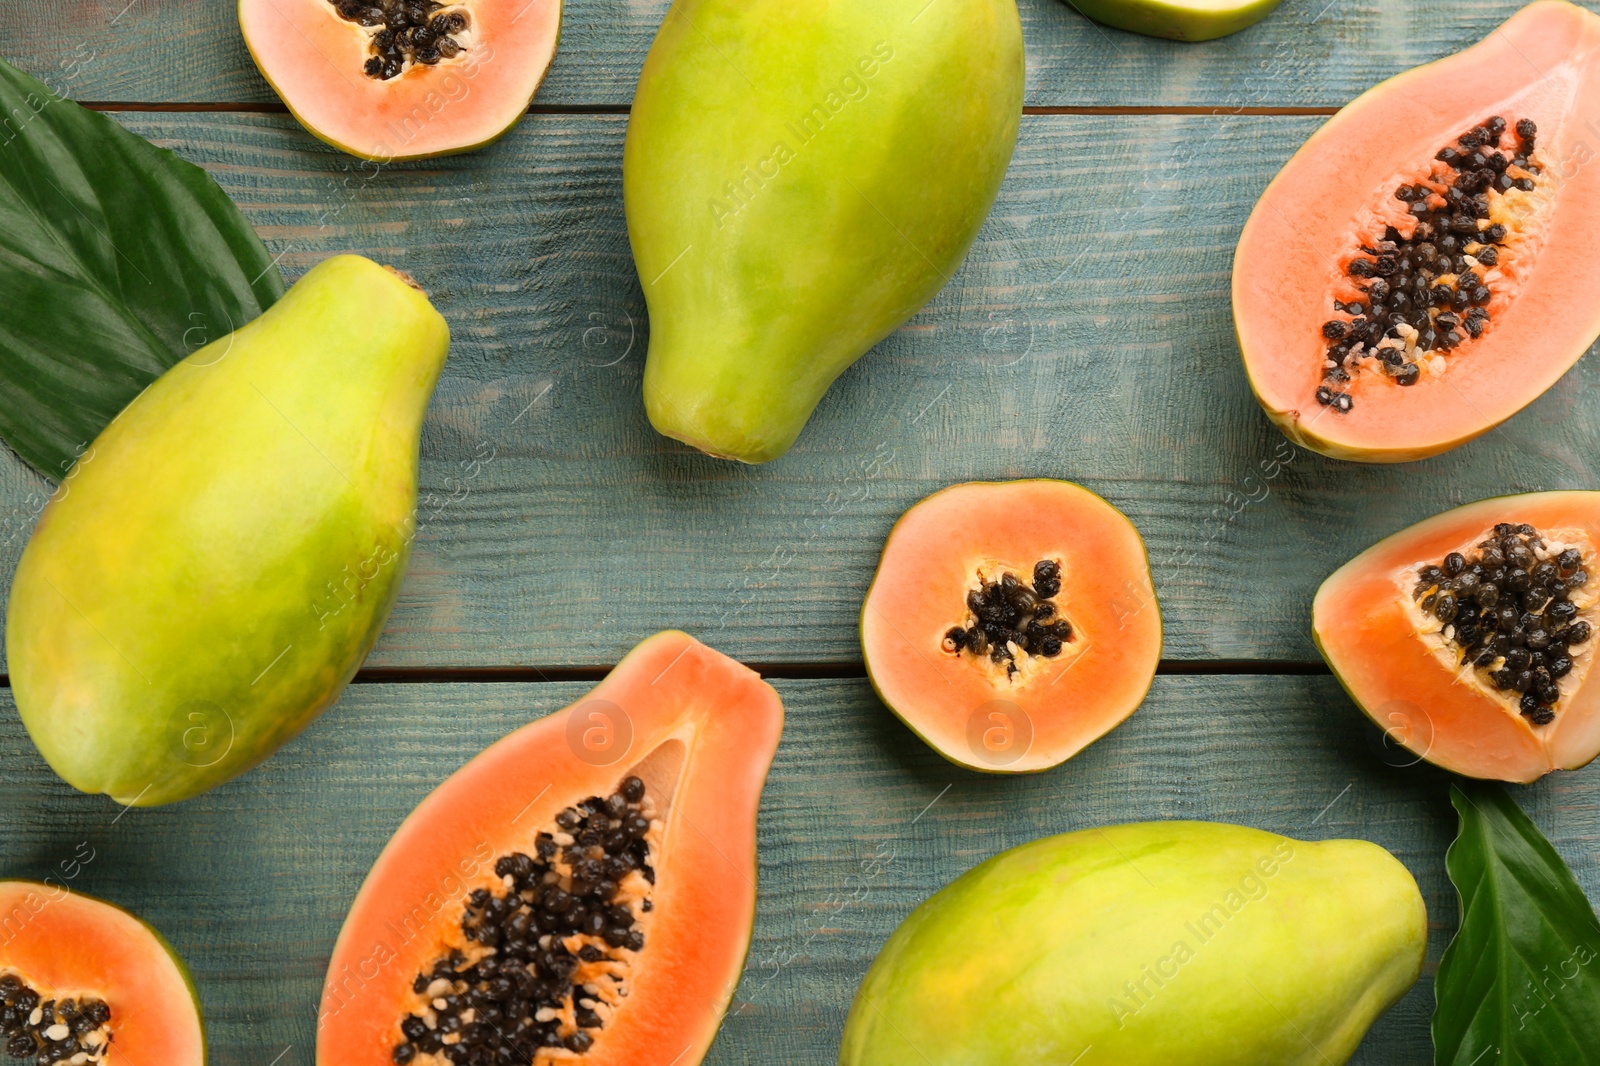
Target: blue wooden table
(1088,336)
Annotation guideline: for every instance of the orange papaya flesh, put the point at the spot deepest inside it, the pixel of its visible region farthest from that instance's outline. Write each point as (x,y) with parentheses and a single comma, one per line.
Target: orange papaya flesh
(1010,624)
(581,891)
(1491,686)
(81,977)
(1382,313)
(390,80)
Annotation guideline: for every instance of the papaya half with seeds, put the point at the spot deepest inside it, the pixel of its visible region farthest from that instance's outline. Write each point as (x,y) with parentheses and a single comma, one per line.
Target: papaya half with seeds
(580,892)
(1178,20)
(85,983)
(1424,267)
(1154,944)
(391,80)
(1469,637)
(1011,624)
(800,179)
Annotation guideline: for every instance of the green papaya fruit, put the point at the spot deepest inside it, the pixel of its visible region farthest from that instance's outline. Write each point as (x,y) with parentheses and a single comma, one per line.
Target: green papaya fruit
(799,180)
(1178,20)
(221,559)
(1162,943)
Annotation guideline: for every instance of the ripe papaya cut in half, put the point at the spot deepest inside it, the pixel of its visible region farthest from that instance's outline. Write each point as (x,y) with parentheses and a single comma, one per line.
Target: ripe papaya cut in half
(1469,637)
(83,982)
(1178,20)
(1010,624)
(1424,267)
(581,891)
(391,80)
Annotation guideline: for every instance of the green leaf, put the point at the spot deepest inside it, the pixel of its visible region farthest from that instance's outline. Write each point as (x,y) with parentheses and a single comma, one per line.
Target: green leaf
(1520,983)
(117,259)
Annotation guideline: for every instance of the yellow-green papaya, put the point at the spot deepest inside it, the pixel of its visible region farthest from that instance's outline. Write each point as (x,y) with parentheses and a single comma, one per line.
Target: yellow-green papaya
(1153,944)
(799,180)
(218,563)
(1178,20)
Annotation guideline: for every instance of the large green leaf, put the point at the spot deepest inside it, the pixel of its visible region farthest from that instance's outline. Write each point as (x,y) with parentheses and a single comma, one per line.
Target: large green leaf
(1520,983)
(117,259)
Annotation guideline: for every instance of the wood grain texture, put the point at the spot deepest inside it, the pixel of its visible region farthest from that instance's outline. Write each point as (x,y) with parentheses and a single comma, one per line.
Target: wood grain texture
(859,823)
(1088,337)
(1309,53)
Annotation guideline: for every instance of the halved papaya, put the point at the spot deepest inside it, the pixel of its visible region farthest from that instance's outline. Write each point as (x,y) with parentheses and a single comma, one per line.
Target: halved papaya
(1010,624)
(390,80)
(581,891)
(84,982)
(1468,637)
(1424,267)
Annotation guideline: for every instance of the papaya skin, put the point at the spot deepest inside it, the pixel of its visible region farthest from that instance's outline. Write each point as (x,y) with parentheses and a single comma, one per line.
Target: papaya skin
(220,561)
(1178,20)
(1067,950)
(799,181)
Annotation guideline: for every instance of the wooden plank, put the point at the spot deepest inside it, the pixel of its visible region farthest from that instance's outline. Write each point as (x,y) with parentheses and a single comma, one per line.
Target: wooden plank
(859,823)
(1088,336)
(1310,53)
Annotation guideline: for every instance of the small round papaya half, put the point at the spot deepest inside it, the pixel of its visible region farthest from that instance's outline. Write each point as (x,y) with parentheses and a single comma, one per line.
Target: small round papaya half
(1010,624)
(1178,20)
(580,892)
(86,983)
(1424,267)
(1469,637)
(390,80)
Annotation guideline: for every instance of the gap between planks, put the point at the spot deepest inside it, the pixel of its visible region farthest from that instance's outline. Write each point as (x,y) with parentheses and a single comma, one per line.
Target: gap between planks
(623,109)
(819,671)
(795,671)
(777,671)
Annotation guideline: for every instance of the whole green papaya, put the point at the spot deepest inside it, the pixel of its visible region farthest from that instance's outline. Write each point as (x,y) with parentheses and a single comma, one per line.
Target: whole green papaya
(1154,944)
(219,562)
(800,179)
(1178,20)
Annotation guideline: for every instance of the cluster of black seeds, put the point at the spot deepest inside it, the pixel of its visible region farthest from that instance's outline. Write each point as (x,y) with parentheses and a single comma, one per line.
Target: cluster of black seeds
(50,1031)
(503,1007)
(1508,608)
(1422,293)
(406,31)
(1007,612)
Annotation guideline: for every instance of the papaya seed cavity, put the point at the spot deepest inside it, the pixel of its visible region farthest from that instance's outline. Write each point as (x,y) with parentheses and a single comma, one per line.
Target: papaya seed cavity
(405,33)
(1009,615)
(1507,606)
(1423,289)
(49,1031)
(547,952)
